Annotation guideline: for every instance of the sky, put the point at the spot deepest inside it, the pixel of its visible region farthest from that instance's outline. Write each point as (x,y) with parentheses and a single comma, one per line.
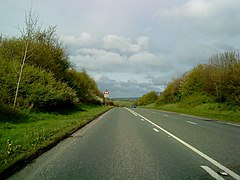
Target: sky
(132,47)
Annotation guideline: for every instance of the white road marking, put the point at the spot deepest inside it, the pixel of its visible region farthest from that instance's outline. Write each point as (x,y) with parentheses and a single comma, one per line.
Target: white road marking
(142,119)
(192,122)
(166,115)
(133,112)
(155,129)
(212,173)
(211,160)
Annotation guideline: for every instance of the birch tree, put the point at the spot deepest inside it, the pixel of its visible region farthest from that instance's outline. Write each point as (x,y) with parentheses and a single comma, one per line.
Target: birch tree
(27,35)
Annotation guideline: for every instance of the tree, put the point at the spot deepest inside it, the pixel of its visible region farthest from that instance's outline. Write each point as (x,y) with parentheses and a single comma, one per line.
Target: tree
(27,35)
(83,84)
(41,48)
(147,98)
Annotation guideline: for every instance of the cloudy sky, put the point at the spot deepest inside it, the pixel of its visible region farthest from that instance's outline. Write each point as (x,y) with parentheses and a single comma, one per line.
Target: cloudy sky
(131,47)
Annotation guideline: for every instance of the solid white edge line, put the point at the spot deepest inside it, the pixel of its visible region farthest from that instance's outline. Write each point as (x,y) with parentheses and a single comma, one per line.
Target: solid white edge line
(212,173)
(214,162)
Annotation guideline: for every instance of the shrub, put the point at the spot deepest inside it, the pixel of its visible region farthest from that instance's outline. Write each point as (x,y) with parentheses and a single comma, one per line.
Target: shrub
(38,88)
(219,80)
(147,98)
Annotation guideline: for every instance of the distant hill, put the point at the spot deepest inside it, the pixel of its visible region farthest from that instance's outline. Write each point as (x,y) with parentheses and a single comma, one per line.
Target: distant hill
(126,99)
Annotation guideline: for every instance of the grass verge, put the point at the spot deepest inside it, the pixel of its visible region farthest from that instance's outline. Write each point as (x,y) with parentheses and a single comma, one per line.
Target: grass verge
(123,103)
(215,111)
(32,133)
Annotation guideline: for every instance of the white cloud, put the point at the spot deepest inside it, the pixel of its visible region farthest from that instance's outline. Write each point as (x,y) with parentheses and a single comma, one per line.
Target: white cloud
(98,60)
(123,44)
(101,60)
(83,39)
(143,58)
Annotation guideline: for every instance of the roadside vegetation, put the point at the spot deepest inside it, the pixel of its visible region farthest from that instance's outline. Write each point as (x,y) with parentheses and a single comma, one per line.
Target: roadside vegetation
(210,90)
(36,72)
(42,96)
(147,98)
(123,103)
(31,133)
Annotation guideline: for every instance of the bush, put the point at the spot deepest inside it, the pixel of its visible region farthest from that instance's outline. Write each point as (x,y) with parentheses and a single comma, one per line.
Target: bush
(172,92)
(38,88)
(86,88)
(219,80)
(147,98)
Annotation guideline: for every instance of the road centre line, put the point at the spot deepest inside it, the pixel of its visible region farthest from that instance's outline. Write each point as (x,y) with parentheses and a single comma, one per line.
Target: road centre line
(192,122)
(214,162)
(166,115)
(155,129)
(212,173)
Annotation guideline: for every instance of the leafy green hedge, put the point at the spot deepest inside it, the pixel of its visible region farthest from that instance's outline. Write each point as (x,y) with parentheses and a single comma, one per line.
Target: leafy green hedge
(217,81)
(147,98)
(48,80)
(38,88)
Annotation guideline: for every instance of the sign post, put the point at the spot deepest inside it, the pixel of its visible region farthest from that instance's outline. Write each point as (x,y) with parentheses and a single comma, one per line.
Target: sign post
(106,96)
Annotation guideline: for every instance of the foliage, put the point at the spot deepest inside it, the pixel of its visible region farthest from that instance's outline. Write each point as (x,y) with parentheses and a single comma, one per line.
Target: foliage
(43,78)
(147,98)
(38,87)
(171,93)
(123,103)
(217,81)
(47,55)
(86,88)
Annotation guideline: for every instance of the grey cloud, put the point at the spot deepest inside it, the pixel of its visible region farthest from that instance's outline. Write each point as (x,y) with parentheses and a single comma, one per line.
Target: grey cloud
(159,80)
(83,39)
(210,17)
(101,60)
(130,88)
(124,45)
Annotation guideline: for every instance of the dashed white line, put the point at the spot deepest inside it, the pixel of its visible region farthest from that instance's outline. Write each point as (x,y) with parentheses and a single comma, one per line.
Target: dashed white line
(155,129)
(211,160)
(192,122)
(166,115)
(142,119)
(212,173)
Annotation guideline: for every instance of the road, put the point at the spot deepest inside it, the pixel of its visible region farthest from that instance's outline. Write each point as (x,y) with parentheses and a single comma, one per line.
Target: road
(143,144)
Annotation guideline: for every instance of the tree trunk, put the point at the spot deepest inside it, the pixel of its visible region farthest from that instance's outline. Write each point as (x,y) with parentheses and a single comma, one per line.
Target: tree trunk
(20,74)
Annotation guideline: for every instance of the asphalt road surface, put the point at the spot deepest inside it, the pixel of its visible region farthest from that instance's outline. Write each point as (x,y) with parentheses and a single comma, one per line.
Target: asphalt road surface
(143,144)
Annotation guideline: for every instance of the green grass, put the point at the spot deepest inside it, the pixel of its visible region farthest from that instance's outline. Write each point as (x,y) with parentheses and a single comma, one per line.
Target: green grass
(123,103)
(31,132)
(215,111)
